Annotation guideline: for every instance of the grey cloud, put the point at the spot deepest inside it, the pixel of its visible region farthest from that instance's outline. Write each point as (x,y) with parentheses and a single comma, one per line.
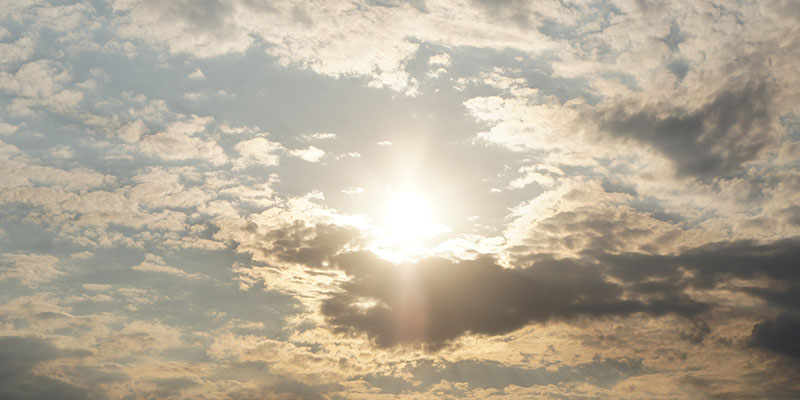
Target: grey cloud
(300,16)
(199,15)
(785,8)
(288,389)
(438,300)
(420,5)
(18,356)
(517,11)
(710,265)
(697,333)
(171,387)
(715,139)
(312,246)
(778,335)
(787,297)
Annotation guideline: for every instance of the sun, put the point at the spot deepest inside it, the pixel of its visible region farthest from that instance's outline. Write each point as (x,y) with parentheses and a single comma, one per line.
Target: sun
(407,217)
(406,221)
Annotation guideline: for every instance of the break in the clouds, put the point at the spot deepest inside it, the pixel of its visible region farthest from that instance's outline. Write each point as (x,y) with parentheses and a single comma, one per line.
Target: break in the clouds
(399,199)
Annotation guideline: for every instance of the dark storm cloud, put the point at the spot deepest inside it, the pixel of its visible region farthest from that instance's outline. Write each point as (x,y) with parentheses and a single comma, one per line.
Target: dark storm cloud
(715,139)
(18,356)
(437,300)
(779,335)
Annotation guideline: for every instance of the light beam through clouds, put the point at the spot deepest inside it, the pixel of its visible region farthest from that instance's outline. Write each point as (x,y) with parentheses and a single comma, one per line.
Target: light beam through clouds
(232,199)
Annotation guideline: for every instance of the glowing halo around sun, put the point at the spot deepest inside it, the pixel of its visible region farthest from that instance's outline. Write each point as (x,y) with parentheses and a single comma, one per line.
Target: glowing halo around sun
(405,222)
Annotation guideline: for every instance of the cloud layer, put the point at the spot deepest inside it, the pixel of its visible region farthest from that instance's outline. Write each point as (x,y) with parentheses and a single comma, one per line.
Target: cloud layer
(233,199)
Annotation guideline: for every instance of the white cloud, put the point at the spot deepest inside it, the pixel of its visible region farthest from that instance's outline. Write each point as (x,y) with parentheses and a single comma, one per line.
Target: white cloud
(353,190)
(336,39)
(7,129)
(541,174)
(319,136)
(96,287)
(131,132)
(40,83)
(257,151)
(195,96)
(209,33)
(197,75)
(18,51)
(154,263)
(29,269)
(310,154)
(179,142)
(439,60)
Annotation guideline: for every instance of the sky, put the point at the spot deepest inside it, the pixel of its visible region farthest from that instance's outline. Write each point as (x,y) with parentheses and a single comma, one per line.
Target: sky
(388,199)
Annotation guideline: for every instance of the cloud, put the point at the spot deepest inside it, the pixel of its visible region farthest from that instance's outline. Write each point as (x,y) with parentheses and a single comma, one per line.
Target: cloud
(257,151)
(297,242)
(579,215)
(197,74)
(353,190)
(516,11)
(37,79)
(29,269)
(17,51)
(319,136)
(709,265)
(205,28)
(440,60)
(604,372)
(96,287)
(154,263)
(40,83)
(20,355)
(7,129)
(543,175)
(717,138)
(179,141)
(310,154)
(647,248)
(28,174)
(437,300)
(779,334)
(137,337)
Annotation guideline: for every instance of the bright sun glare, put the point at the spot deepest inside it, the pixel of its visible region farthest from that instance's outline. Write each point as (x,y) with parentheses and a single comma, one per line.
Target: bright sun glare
(406,217)
(406,220)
